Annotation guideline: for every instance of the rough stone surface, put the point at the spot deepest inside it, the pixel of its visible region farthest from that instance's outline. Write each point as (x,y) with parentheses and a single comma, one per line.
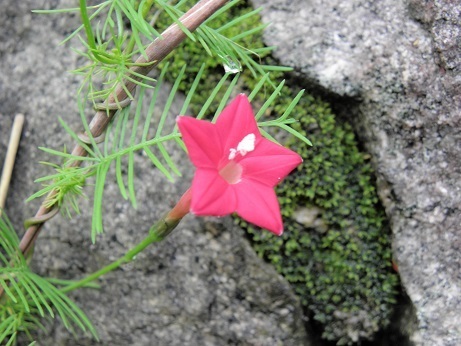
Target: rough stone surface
(202,286)
(393,68)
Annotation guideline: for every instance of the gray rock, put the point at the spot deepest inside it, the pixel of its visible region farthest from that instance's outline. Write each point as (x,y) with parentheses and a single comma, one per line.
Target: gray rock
(393,69)
(201,286)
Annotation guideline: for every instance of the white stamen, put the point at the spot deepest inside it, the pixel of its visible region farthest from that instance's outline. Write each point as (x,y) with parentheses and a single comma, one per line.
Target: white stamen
(232,154)
(246,145)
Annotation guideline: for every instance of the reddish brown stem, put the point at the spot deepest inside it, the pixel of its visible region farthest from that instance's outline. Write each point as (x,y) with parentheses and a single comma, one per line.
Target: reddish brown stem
(156,52)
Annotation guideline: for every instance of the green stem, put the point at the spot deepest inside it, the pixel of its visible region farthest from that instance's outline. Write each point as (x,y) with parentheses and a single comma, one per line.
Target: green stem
(146,8)
(157,233)
(87,25)
(89,33)
(145,11)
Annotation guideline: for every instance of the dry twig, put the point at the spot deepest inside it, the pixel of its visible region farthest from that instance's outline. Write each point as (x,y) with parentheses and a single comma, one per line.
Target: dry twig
(10,158)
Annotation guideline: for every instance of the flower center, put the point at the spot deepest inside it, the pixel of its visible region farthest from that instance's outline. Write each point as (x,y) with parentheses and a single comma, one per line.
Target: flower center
(232,172)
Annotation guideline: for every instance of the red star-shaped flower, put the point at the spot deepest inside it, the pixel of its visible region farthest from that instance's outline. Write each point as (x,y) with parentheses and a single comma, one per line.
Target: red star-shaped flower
(237,168)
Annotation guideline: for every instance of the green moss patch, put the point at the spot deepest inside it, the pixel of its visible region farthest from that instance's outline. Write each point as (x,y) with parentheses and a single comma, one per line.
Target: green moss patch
(336,249)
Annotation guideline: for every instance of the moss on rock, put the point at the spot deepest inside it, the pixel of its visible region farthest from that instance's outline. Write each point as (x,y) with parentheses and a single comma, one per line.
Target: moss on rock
(336,247)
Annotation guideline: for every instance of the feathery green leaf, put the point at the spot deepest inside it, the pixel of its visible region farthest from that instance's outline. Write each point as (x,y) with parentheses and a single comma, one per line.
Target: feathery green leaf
(27,295)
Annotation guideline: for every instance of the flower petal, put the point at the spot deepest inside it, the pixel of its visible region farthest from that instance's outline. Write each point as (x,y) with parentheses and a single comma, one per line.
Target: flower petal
(269,163)
(202,141)
(257,203)
(236,122)
(211,194)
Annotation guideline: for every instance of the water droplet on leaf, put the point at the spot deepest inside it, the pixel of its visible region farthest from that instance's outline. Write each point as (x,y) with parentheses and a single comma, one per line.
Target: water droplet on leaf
(230,65)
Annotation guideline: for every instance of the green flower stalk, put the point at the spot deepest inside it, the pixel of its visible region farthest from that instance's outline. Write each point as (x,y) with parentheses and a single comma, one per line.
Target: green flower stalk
(159,231)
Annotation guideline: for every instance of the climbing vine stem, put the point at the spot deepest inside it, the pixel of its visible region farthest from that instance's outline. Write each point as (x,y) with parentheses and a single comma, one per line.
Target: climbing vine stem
(157,233)
(156,52)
